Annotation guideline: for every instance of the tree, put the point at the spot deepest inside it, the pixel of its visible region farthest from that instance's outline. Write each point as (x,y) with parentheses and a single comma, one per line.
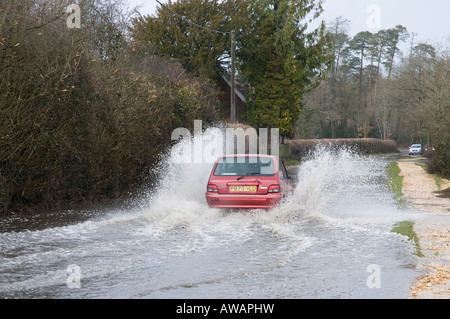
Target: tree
(387,42)
(355,100)
(393,37)
(338,106)
(78,122)
(358,47)
(186,31)
(434,112)
(280,59)
(275,102)
(276,54)
(338,32)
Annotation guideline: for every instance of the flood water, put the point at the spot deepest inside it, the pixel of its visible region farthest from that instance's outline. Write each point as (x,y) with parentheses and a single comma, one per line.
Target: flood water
(331,239)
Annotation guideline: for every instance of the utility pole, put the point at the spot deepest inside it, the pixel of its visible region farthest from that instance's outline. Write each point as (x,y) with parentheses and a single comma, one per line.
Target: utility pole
(233,68)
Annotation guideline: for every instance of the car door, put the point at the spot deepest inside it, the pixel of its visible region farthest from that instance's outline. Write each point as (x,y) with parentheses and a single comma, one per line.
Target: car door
(286,186)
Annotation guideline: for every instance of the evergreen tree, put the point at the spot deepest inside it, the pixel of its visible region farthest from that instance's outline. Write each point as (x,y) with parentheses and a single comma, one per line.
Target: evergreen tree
(192,31)
(277,55)
(281,60)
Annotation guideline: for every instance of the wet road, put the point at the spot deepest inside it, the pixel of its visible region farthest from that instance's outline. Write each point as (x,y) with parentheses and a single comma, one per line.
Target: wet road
(331,239)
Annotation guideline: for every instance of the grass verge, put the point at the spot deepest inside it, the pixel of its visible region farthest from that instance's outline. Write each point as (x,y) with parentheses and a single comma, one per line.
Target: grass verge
(406,228)
(395,183)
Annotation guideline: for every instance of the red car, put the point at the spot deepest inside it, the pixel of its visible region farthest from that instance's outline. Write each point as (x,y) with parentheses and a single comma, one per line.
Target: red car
(248,181)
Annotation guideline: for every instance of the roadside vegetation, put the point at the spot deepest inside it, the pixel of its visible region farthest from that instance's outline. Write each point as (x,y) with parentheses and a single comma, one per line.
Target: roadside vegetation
(83,116)
(375,90)
(86,112)
(280,55)
(406,228)
(395,182)
(365,146)
(444,193)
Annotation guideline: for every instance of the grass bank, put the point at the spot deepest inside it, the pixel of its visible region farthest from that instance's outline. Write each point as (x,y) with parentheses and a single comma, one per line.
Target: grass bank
(395,183)
(406,228)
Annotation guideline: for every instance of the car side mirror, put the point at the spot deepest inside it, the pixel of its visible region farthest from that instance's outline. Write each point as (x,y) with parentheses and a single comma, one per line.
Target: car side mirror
(293,177)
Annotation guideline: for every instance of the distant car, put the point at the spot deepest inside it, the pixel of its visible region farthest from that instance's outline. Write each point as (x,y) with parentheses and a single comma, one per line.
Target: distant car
(248,181)
(415,149)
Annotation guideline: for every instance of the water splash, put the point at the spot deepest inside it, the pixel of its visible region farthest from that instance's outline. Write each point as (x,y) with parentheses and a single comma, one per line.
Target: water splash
(330,182)
(172,237)
(323,176)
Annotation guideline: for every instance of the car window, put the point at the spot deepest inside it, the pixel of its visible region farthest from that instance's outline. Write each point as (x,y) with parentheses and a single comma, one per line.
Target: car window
(242,166)
(282,170)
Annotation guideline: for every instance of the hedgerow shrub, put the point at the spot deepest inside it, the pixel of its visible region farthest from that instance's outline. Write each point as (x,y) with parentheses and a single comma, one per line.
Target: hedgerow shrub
(301,147)
(76,125)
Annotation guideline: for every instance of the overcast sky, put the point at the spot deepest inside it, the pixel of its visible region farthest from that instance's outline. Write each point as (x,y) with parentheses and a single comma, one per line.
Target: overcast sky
(429,19)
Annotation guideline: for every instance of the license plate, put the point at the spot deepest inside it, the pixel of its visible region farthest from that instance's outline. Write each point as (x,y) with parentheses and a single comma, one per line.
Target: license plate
(242,188)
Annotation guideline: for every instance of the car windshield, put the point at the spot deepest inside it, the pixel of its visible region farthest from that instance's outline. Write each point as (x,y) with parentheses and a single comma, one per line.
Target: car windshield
(415,146)
(244,166)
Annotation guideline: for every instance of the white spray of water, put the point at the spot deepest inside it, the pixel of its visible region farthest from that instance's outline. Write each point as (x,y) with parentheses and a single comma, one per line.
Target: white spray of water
(327,175)
(174,219)
(178,199)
